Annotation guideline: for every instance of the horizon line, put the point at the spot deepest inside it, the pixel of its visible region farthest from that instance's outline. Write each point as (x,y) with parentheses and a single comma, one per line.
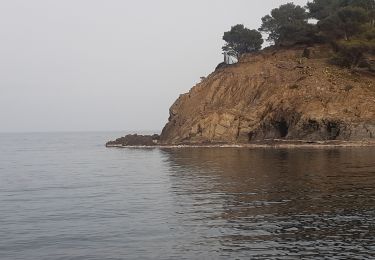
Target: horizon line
(76,131)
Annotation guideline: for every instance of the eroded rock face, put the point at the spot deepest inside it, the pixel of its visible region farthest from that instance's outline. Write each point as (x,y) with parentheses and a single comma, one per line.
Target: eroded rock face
(286,94)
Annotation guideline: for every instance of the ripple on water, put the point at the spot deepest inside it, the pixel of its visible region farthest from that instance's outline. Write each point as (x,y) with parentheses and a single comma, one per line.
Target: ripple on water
(65,196)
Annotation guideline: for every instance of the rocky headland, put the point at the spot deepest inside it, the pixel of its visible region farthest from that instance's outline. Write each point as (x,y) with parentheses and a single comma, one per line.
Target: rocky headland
(278,95)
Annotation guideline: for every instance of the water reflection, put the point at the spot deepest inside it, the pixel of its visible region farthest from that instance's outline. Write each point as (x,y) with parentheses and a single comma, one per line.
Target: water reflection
(65,196)
(276,203)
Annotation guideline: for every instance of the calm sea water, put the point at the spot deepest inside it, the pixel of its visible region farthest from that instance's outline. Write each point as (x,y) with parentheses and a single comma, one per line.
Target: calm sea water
(65,196)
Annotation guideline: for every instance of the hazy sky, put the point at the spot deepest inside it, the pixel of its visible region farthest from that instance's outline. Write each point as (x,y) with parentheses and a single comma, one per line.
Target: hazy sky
(88,65)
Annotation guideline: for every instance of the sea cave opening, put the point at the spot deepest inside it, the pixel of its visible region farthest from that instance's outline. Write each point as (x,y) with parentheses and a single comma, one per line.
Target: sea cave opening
(283,128)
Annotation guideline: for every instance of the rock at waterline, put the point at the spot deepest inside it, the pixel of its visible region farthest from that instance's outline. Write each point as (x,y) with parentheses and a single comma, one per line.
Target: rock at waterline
(135,140)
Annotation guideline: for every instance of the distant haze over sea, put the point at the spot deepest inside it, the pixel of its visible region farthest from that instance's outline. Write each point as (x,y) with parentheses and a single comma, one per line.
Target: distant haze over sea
(109,65)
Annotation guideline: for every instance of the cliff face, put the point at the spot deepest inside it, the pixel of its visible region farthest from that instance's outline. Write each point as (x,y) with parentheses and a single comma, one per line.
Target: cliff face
(292,94)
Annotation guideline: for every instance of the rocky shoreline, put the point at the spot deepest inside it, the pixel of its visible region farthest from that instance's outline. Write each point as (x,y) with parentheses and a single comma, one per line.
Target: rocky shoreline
(143,141)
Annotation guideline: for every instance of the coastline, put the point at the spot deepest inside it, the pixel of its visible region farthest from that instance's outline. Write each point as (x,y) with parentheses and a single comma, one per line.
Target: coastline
(273,144)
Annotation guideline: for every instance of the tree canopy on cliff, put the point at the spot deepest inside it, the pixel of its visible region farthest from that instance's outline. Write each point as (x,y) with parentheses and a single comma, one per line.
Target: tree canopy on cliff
(240,40)
(321,9)
(288,25)
(342,19)
(348,25)
(344,24)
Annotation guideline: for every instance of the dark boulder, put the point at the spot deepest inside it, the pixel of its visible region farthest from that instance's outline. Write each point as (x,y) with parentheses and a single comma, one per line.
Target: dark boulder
(135,140)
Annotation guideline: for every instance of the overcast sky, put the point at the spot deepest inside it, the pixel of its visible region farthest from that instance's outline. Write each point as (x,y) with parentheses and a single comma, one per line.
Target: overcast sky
(91,65)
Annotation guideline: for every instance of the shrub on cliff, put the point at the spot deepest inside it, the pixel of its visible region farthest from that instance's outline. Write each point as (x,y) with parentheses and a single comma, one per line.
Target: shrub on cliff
(352,53)
(240,40)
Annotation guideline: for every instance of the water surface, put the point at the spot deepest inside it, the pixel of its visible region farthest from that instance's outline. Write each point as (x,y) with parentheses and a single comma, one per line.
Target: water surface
(65,196)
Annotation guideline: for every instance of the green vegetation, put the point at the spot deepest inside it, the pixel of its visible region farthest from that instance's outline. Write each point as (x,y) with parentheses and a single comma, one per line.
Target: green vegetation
(240,40)
(348,25)
(288,25)
(352,53)
(342,19)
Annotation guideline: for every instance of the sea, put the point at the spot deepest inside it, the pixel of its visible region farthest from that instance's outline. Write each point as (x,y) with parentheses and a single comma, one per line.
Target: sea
(65,196)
